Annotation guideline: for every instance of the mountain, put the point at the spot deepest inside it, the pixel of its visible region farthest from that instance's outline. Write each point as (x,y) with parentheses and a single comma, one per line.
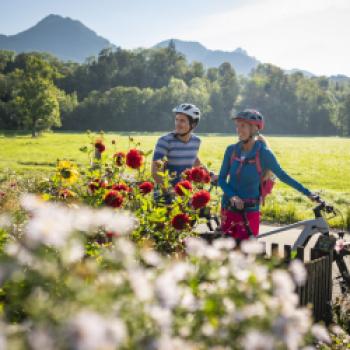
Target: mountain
(306,73)
(194,51)
(65,38)
(340,78)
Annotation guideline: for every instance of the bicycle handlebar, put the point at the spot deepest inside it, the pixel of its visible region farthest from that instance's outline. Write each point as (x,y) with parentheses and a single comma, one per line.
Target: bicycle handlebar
(322,206)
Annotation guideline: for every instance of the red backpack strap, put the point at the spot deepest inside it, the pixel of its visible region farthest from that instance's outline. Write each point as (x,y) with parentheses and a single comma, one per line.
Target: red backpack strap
(233,155)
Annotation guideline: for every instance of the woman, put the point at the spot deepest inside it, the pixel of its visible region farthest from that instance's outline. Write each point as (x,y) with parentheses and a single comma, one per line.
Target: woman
(246,163)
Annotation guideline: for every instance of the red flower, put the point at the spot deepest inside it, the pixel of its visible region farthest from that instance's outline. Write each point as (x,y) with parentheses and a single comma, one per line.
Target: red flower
(180,221)
(197,174)
(96,184)
(146,187)
(182,185)
(114,199)
(100,146)
(121,187)
(200,199)
(111,234)
(187,174)
(206,178)
(119,158)
(134,159)
(2,194)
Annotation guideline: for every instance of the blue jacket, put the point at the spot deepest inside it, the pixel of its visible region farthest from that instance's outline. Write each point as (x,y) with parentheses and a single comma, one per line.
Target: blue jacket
(246,185)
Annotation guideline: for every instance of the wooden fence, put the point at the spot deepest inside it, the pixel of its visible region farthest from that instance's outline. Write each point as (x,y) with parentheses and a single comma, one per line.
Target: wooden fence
(317,290)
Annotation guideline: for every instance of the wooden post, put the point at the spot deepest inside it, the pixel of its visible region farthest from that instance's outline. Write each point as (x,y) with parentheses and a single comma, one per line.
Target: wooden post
(287,253)
(300,253)
(274,250)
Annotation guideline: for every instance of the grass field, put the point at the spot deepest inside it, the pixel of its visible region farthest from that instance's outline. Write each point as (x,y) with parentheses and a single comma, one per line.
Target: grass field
(320,163)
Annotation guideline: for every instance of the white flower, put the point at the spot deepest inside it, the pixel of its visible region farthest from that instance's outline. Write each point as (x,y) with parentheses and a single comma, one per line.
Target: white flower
(151,257)
(229,305)
(31,202)
(185,331)
(22,255)
(50,226)
(222,283)
(253,247)
(242,275)
(321,333)
(254,310)
(162,316)
(196,246)
(224,271)
(255,340)
(213,253)
(167,290)
(168,343)
(208,330)
(40,339)
(140,285)
(73,252)
(298,271)
(83,219)
(188,301)
(122,222)
(90,331)
(337,330)
(224,243)
(292,327)
(5,221)
(115,279)
(180,270)
(282,282)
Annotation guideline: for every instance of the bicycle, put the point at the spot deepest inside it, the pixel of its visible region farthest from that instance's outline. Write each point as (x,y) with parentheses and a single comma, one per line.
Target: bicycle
(326,242)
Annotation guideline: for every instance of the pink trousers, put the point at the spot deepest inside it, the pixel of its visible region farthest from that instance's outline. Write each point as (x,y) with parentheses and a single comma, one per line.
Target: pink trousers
(232,223)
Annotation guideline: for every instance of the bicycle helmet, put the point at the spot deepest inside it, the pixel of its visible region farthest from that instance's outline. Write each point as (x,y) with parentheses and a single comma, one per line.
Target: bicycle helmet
(252,116)
(190,110)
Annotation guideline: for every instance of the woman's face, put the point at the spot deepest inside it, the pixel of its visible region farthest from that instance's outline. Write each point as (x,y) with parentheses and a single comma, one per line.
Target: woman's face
(244,129)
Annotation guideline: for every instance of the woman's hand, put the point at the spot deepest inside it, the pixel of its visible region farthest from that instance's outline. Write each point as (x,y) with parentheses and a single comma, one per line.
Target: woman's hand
(314,197)
(237,202)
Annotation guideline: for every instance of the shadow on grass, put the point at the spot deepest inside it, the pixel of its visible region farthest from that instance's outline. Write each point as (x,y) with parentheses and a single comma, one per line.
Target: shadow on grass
(49,164)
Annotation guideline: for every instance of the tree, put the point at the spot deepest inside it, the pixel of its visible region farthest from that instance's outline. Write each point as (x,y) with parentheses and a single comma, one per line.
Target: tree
(35,97)
(36,105)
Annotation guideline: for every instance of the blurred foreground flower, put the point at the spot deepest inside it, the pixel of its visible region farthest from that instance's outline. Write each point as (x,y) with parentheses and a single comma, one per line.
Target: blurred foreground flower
(52,224)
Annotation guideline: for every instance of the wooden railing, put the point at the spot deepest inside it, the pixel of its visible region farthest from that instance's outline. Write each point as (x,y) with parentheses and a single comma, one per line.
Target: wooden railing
(317,291)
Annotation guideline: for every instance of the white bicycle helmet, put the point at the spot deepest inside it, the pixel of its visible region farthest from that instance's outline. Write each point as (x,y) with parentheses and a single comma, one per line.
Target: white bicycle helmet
(190,110)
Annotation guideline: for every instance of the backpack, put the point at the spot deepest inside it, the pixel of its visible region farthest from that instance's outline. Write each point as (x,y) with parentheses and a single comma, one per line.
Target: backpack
(266,182)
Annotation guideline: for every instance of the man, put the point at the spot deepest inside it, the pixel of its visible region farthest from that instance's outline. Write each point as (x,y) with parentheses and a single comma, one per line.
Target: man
(180,147)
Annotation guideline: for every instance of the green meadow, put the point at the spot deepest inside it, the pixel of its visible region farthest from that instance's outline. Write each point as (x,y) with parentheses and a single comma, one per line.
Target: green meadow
(321,163)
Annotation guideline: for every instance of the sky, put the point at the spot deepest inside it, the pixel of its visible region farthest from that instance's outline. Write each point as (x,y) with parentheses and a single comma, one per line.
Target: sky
(312,35)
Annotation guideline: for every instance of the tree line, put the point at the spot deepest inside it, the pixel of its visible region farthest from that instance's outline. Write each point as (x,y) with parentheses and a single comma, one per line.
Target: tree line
(124,90)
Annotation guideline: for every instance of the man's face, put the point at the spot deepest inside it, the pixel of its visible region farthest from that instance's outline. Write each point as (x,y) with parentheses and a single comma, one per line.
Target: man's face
(182,123)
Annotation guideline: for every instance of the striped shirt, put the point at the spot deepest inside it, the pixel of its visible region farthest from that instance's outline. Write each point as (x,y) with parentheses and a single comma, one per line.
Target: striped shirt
(180,155)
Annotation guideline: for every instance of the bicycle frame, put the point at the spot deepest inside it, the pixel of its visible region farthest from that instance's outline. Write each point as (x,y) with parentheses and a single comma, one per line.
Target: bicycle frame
(311,227)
